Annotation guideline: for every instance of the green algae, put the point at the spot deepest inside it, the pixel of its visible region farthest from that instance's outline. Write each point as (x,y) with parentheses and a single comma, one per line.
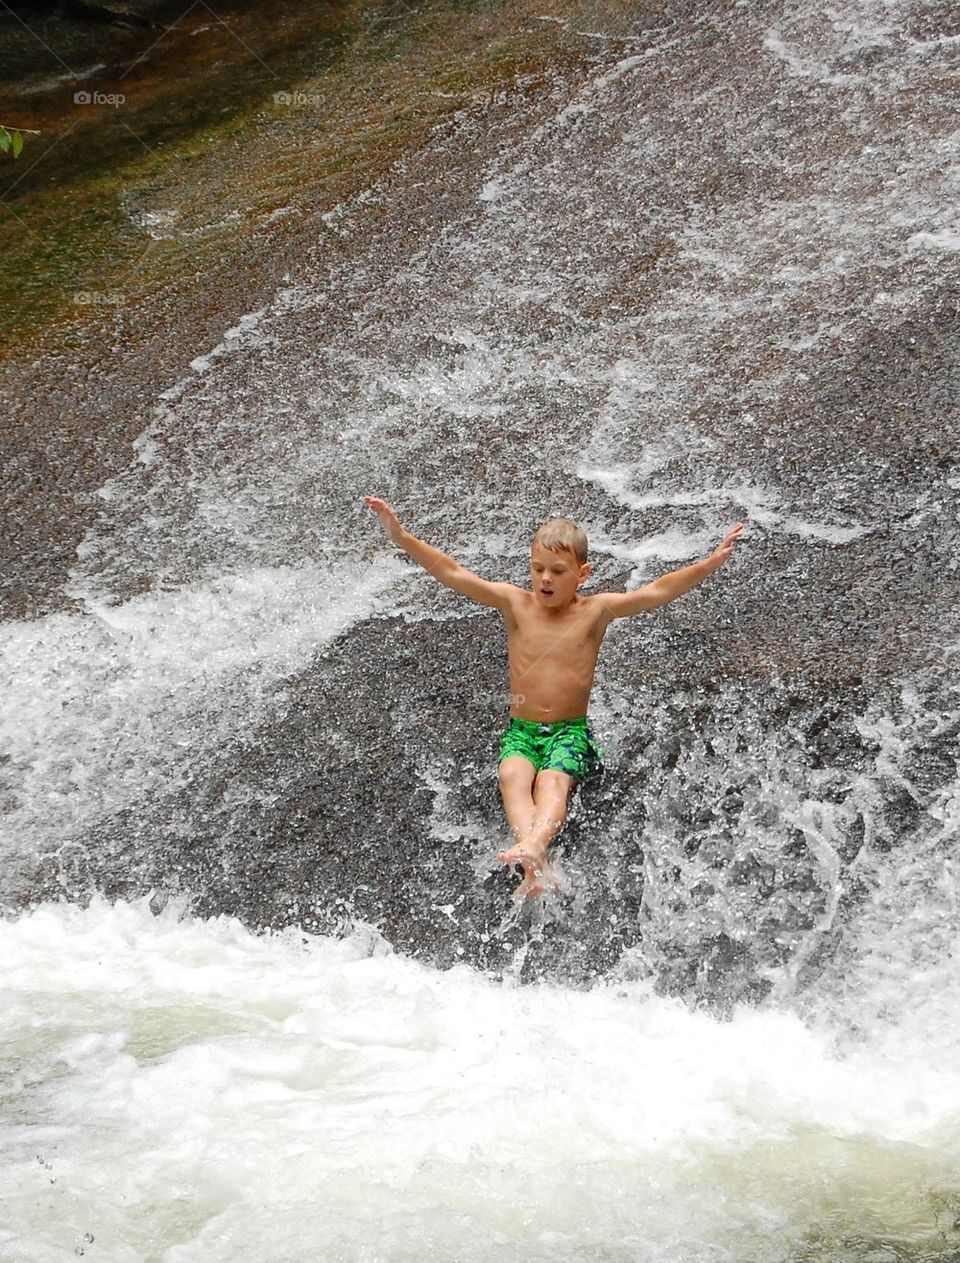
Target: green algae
(156,192)
(929,1232)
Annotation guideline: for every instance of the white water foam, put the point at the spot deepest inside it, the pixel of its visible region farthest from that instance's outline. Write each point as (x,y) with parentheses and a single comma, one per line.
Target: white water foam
(753,504)
(184,1091)
(100,703)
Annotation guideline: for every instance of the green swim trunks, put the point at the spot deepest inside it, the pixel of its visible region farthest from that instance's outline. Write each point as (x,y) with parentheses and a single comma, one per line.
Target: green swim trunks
(567,746)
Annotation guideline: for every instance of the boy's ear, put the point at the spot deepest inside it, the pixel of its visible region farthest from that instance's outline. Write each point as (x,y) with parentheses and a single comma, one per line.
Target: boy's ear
(585,571)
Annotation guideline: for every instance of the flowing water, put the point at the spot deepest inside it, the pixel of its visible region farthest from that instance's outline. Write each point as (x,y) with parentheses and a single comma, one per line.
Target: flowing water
(265,994)
(189,1090)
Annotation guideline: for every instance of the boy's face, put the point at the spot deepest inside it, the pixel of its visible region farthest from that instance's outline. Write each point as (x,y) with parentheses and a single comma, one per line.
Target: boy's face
(555,576)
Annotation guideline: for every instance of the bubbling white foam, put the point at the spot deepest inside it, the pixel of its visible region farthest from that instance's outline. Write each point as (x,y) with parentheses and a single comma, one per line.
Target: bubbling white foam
(99,703)
(186,1090)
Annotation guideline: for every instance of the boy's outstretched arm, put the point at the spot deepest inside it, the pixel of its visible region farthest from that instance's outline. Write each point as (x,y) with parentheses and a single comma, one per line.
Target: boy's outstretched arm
(443,568)
(669,586)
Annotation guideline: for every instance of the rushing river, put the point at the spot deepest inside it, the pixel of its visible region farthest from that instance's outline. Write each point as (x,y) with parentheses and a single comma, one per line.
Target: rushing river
(265,996)
(187,1090)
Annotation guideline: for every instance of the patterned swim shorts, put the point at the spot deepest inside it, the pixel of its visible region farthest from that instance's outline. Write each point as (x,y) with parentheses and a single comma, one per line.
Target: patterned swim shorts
(567,746)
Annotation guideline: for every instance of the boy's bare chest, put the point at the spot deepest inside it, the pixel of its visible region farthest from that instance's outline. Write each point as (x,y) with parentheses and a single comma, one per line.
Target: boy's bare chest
(555,639)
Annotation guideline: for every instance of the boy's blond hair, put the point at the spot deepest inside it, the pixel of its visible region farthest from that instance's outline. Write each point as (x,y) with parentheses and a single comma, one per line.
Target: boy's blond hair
(562,534)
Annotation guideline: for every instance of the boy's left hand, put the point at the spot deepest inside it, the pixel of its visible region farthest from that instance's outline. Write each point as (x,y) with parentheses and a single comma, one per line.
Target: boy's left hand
(388,519)
(724,551)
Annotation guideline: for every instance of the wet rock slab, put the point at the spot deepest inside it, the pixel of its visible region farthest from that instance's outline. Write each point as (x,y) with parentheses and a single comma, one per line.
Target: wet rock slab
(748,722)
(371,794)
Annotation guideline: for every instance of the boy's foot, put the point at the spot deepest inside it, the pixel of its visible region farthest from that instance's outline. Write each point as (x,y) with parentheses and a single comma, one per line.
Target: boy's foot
(538,876)
(539,883)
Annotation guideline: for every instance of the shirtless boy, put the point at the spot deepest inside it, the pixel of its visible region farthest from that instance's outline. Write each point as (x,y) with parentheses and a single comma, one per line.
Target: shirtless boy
(553,638)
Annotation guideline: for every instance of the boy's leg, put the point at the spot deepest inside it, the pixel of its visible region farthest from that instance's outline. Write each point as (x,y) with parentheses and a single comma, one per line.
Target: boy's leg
(551,790)
(539,809)
(517,777)
(516,789)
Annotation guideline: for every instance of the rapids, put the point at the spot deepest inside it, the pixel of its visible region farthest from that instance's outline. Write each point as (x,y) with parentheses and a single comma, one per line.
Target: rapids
(187,1090)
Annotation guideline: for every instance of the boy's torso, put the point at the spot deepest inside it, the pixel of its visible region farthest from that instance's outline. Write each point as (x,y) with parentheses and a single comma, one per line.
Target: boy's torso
(552,657)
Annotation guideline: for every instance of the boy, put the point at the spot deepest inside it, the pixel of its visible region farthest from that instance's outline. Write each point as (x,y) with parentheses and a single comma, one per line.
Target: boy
(553,638)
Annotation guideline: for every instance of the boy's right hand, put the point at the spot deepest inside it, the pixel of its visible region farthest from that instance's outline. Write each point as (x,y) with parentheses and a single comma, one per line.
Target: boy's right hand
(388,519)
